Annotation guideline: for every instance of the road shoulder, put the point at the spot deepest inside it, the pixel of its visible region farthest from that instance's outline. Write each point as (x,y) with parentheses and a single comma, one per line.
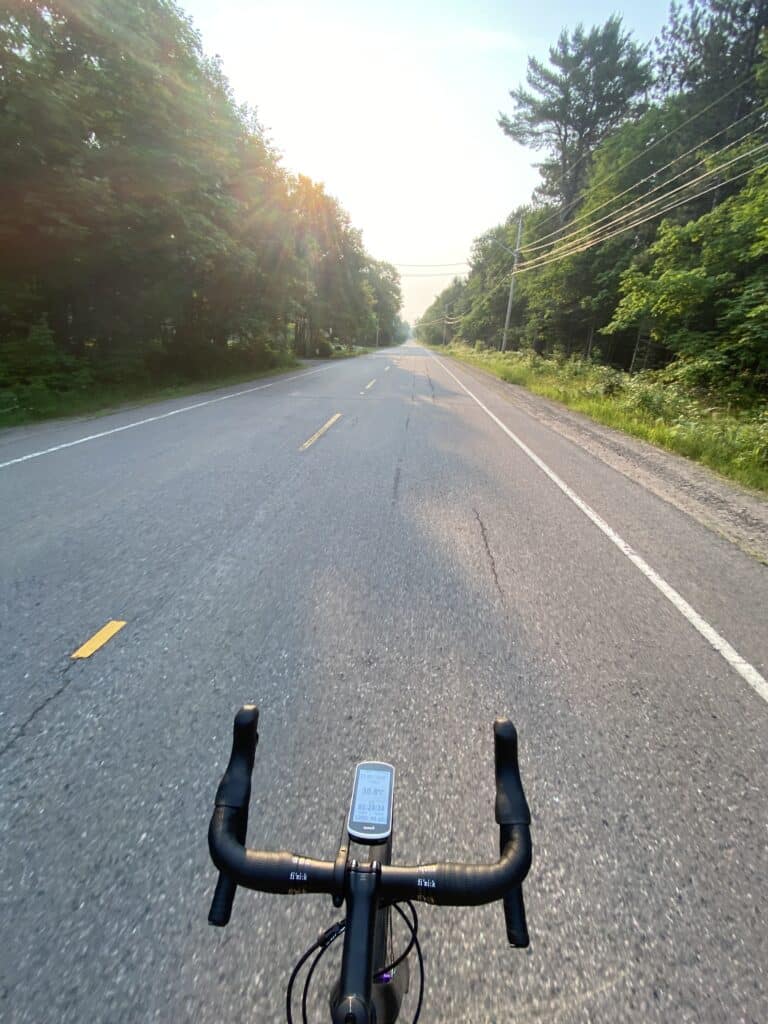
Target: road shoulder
(152,404)
(733,512)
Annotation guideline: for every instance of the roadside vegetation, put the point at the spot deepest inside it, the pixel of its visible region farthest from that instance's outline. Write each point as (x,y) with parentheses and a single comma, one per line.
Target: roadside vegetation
(641,279)
(150,237)
(656,406)
(27,404)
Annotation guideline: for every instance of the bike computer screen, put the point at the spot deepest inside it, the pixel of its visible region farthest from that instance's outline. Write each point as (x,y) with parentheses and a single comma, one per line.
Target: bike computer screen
(370,813)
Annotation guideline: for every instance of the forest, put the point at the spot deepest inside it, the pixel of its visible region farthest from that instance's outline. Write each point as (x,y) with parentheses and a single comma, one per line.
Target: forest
(639,266)
(149,233)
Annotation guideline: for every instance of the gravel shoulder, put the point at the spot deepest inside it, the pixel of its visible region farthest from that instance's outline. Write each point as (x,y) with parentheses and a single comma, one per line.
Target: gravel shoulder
(736,513)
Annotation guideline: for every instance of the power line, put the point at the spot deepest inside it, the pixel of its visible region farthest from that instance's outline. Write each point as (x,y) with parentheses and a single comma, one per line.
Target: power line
(651,216)
(592,237)
(428,323)
(589,243)
(451,321)
(578,238)
(541,242)
(446,273)
(653,145)
(573,242)
(463,263)
(576,244)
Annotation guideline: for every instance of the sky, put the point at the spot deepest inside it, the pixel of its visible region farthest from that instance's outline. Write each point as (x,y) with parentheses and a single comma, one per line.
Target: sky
(394,106)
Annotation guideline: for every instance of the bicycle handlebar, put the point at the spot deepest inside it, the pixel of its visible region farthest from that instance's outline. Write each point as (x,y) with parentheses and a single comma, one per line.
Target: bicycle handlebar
(511,811)
(234,793)
(442,884)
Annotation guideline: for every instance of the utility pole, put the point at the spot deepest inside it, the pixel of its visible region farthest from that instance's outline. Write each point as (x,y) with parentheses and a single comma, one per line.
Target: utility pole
(512,283)
(377,332)
(445,325)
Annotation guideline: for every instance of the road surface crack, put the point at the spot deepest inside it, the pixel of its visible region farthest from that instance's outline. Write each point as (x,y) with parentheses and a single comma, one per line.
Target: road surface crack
(21,730)
(431,385)
(395,485)
(489,554)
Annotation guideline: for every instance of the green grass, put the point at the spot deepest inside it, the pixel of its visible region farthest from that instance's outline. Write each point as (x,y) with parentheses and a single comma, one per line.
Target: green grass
(654,406)
(100,401)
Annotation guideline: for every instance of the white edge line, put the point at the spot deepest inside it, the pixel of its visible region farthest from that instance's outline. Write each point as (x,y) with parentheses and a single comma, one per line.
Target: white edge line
(161,416)
(747,672)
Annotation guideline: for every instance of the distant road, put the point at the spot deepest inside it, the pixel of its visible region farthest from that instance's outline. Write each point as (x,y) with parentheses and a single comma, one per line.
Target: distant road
(384,553)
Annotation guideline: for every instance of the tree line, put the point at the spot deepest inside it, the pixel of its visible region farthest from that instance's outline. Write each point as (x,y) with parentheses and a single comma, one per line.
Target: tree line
(148,230)
(646,241)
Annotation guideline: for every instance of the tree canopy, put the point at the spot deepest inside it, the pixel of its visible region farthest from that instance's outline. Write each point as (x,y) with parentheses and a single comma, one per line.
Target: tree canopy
(594,80)
(149,230)
(648,230)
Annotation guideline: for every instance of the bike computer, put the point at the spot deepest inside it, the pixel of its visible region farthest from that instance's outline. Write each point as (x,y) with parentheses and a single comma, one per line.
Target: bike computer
(370,813)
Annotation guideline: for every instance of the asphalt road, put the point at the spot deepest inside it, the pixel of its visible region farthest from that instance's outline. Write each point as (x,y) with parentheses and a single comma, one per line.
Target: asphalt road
(383,593)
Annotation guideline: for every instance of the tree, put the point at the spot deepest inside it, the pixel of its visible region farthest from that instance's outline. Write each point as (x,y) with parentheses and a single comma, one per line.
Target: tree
(402,331)
(384,282)
(697,280)
(147,223)
(483,301)
(594,81)
(702,288)
(338,296)
(433,327)
(708,52)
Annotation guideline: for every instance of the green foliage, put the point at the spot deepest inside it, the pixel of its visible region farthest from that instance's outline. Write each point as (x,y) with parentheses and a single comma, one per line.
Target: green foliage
(646,252)
(704,291)
(658,406)
(402,331)
(710,48)
(146,216)
(35,374)
(387,300)
(593,82)
(433,328)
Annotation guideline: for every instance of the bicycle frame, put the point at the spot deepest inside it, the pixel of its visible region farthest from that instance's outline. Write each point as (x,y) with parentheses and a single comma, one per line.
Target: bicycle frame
(360,990)
(370,887)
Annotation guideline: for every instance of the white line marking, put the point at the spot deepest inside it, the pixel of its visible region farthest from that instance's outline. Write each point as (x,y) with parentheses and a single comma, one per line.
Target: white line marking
(747,672)
(162,416)
(370,384)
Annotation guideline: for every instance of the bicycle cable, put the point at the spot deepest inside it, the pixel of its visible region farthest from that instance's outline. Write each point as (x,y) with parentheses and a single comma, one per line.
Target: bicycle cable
(414,929)
(308,980)
(326,939)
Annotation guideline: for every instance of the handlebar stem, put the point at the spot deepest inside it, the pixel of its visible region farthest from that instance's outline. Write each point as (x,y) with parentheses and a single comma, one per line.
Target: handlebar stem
(353,1004)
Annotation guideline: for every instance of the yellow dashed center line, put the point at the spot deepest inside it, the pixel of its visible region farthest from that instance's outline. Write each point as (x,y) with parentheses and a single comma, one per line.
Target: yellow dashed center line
(320,432)
(99,639)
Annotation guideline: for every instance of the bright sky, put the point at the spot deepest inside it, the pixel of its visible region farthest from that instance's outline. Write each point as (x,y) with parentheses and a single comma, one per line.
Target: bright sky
(393,106)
